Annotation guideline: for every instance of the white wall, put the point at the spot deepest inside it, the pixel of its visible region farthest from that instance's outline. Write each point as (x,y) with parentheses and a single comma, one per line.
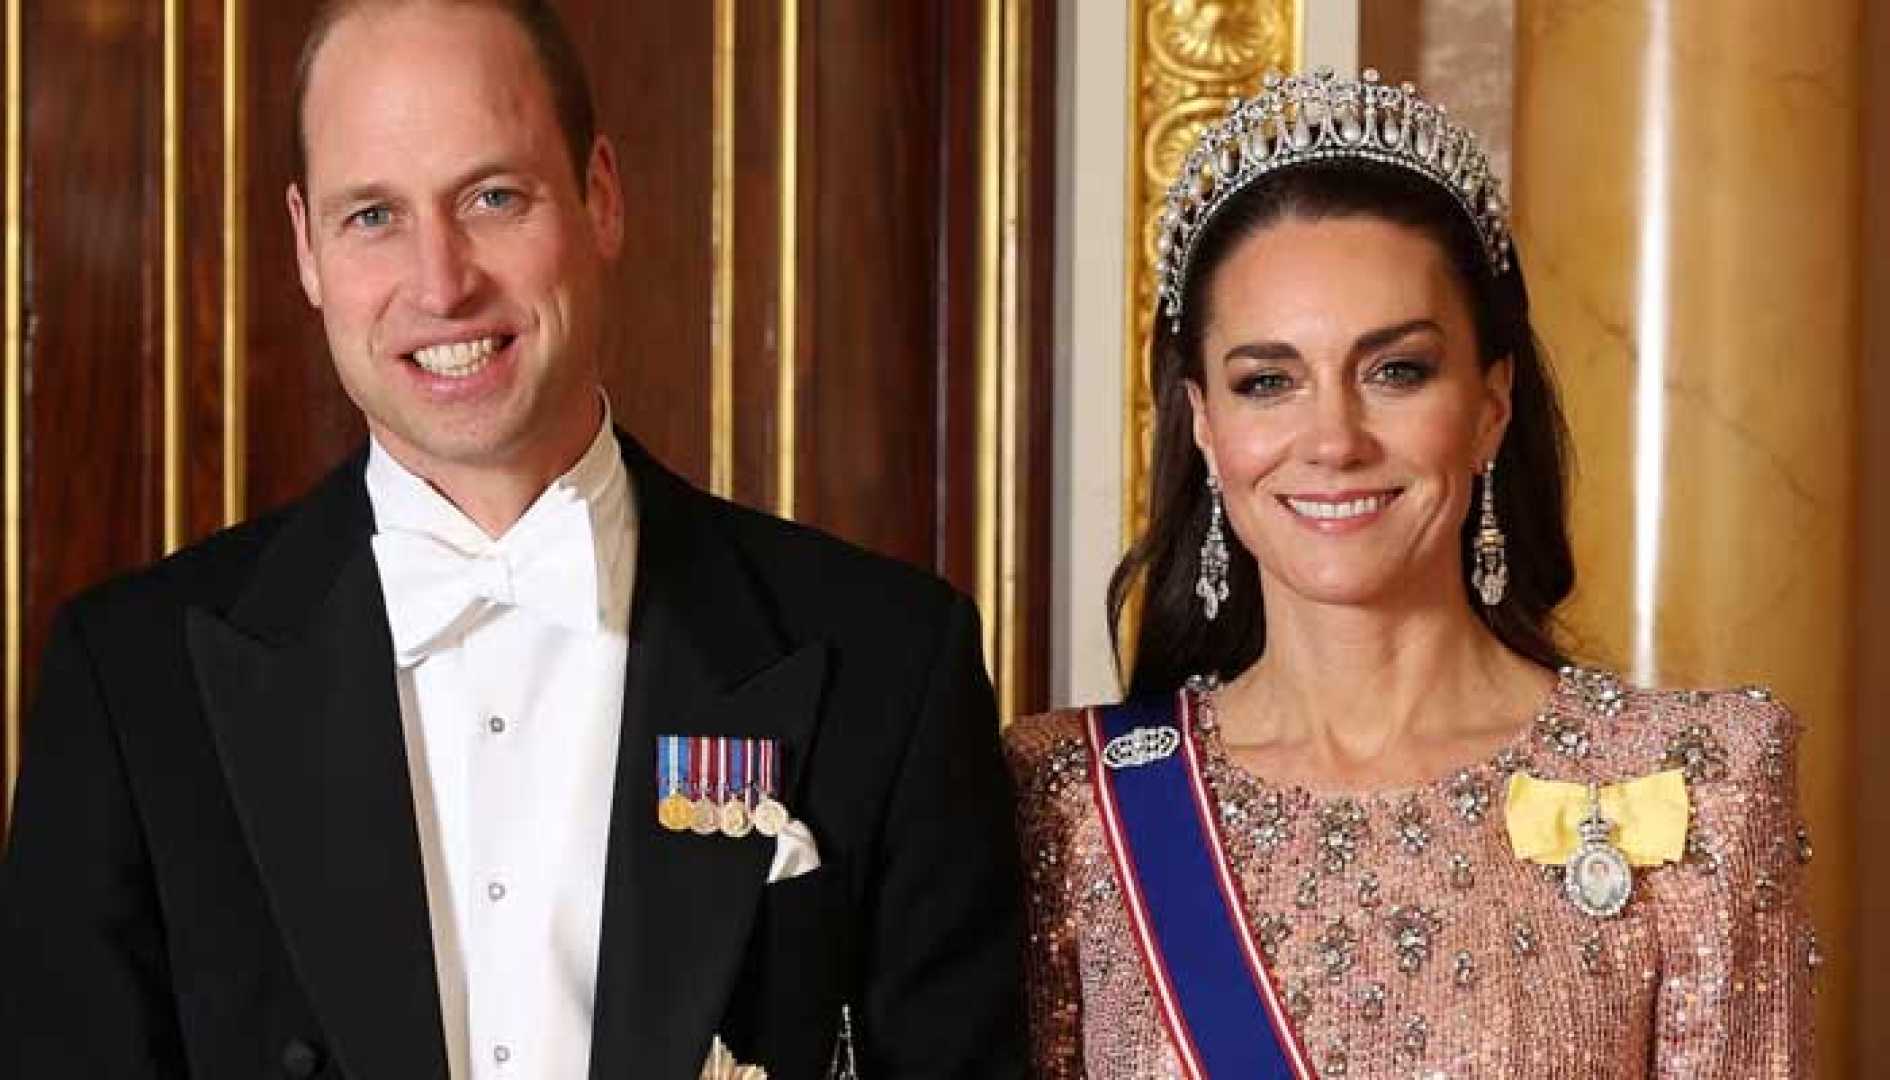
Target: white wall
(1092,183)
(1331,33)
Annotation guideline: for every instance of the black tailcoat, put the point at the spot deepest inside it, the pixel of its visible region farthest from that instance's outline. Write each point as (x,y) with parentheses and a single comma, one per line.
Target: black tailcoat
(214,869)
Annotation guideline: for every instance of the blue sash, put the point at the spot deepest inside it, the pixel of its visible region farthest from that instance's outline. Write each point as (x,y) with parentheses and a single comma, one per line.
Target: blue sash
(1221,1009)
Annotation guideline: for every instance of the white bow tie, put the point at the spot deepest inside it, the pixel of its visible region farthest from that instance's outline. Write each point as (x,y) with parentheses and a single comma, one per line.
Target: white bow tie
(548,565)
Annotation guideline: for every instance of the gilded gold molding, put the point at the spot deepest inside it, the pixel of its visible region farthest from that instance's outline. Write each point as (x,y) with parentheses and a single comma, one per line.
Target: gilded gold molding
(235,367)
(1014,164)
(1003,173)
(171,214)
(787,343)
(722,287)
(1187,58)
(14,363)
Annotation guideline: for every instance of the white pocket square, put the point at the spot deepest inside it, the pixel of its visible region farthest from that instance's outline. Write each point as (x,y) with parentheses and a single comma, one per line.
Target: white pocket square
(794,852)
(723,1066)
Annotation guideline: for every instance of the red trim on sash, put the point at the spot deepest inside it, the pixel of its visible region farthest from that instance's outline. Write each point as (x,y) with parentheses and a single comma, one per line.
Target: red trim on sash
(1128,878)
(1177,1024)
(1230,889)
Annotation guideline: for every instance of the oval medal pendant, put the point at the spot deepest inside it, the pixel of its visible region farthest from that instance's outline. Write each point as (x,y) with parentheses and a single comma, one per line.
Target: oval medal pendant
(1597,878)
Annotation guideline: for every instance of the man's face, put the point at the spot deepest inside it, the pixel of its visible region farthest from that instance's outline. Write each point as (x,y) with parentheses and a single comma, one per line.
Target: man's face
(457,262)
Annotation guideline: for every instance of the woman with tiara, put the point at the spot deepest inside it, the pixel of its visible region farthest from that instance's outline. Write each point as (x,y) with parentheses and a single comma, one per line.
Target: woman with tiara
(1358,815)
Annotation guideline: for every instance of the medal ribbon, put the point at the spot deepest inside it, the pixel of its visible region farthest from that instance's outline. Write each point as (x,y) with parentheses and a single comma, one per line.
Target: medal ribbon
(701,746)
(667,778)
(737,778)
(1649,815)
(1217,999)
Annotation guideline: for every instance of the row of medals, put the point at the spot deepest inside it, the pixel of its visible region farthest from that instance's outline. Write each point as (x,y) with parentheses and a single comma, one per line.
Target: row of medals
(735,816)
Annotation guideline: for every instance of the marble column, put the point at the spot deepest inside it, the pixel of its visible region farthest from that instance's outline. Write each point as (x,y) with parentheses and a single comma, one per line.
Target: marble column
(1689,207)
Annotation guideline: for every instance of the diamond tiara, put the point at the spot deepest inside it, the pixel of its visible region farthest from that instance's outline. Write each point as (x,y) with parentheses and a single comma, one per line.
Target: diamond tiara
(1297,119)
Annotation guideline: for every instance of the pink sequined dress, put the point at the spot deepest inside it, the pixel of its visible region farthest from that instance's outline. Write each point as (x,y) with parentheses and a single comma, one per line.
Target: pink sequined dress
(1409,941)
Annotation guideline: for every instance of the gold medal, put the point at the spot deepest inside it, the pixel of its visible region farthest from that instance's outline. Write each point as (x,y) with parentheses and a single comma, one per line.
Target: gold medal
(735,820)
(705,817)
(770,817)
(675,813)
(672,808)
(737,814)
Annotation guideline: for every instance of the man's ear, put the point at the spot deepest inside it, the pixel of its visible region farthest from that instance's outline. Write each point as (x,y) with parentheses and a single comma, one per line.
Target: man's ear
(603,198)
(304,251)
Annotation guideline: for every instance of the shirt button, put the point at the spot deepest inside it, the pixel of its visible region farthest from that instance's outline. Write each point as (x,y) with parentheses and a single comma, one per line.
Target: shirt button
(497,724)
(496,891)
(501,1053)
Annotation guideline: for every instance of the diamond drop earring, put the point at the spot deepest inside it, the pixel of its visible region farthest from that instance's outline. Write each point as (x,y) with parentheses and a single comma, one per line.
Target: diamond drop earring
(1211,583)
(1489,552)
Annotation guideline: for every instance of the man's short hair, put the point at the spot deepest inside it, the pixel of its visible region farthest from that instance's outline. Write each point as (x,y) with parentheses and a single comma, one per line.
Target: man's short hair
(551,43)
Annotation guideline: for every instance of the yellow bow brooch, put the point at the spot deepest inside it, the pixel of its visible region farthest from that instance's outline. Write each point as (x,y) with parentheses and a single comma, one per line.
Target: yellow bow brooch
(1649,816)
(1598,834)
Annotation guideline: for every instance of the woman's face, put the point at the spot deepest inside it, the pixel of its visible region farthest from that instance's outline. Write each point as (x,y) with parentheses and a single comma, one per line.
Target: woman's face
(1345,410)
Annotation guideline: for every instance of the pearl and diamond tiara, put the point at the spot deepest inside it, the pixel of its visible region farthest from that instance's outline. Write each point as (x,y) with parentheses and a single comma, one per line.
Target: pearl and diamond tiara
(1299,119)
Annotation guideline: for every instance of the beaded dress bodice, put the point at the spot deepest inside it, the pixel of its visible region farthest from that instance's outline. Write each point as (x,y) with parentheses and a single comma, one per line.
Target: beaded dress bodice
(1409,941)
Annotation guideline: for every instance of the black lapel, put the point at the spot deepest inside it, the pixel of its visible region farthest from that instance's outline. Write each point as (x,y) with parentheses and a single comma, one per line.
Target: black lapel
(705,657)
(298,683)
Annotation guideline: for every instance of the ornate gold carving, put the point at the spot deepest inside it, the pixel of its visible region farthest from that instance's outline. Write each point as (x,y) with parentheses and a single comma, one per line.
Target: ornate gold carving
(1215,41)
(1187,60)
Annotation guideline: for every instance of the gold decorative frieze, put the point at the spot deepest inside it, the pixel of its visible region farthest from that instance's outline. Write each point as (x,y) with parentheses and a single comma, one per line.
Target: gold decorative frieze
(1187,59)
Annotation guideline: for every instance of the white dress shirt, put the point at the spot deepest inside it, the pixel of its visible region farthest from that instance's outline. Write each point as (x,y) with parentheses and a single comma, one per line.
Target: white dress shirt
(511,715)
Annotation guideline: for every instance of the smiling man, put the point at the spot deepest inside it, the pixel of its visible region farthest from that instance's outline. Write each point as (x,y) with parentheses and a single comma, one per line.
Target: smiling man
(504,753)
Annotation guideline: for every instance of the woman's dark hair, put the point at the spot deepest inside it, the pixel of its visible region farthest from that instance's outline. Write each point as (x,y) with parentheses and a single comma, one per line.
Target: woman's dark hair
(1173,640)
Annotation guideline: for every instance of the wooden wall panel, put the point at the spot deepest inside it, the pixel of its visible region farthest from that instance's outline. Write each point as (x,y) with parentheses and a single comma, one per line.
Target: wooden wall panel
(755,245)
(867,446)
(649,66)
(298,422)
(994,293)
(1035,455)
(89,285)
(92,487)
(955,340)
(172,377)
(11,235)
(197,129)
